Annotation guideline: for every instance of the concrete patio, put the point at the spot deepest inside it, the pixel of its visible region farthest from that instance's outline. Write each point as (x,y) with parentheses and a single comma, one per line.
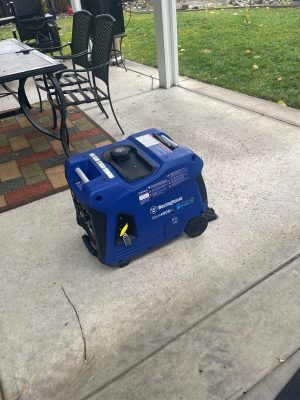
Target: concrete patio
(210,318)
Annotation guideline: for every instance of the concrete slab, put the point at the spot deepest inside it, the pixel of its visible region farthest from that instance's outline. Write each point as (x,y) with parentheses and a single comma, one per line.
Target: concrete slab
(260,106)
(142,69)
(146,70)
(222,356)
(269,387)
(251,172)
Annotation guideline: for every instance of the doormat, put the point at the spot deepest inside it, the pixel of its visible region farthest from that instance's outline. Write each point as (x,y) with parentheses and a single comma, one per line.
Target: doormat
(32,163)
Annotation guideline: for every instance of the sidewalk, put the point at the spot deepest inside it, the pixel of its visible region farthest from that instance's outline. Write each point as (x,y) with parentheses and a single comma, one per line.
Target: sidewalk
(208,318)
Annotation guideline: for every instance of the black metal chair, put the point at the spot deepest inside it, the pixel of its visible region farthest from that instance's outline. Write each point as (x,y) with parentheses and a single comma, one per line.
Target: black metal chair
(117,50)
(81,31)
(97,70)
(33,25)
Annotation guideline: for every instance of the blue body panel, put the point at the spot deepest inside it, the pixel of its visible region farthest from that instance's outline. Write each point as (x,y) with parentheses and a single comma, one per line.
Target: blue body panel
(161,203)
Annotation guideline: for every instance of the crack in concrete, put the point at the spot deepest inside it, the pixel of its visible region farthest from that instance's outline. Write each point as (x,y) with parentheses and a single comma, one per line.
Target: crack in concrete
(79,322)
(241,293)
(2,394)
(241,107)
(233,394)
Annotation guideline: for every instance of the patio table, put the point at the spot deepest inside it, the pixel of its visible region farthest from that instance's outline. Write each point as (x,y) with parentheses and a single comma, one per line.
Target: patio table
(18,62)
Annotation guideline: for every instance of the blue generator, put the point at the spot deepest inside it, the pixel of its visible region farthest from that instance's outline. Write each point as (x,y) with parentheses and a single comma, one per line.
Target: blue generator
(136,194)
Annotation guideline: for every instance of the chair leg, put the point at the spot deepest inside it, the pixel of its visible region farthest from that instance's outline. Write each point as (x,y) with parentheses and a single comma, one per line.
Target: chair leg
(62,107)
(40,98)
(122,59)
(54,113)
(78,83)
(50,99)
(113,111)
(115,53)
(95,95)
(102,108)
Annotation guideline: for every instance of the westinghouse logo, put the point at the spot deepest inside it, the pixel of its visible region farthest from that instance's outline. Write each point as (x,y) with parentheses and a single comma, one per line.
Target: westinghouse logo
(169,203)
(153,210)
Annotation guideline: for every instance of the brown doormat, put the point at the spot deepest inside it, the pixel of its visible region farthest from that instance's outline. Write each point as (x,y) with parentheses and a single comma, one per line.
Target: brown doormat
(32,163)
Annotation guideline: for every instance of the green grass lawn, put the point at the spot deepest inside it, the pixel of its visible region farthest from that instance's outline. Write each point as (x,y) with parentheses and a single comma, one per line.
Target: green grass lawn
(255,51)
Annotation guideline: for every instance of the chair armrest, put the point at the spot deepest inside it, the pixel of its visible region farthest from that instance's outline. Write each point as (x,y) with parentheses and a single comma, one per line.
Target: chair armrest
(91,69)
(57,48)
(74,56)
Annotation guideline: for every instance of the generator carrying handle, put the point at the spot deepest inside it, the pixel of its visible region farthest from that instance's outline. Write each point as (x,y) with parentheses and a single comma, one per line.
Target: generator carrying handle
(82,175)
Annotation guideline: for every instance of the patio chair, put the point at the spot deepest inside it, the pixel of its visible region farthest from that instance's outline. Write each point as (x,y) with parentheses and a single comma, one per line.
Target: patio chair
(33,25)
(97,70)
(81,31)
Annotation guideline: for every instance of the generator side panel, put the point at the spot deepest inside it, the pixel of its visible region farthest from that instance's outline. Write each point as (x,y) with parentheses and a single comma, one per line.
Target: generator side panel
(95,225)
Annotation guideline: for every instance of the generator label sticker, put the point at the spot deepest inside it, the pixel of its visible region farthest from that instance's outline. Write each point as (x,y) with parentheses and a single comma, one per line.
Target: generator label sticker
(168,211)
(169,207)
(172,180)
(179,176)
(101,164)
(185,203)
(148,140)
(157,147)
(144,196)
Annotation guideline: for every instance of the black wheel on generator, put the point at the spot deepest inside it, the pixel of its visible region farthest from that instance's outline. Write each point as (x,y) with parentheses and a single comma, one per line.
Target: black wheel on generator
(196,226)
(124,264)
(209,212)
(202,188)
(89,246)
(78,220)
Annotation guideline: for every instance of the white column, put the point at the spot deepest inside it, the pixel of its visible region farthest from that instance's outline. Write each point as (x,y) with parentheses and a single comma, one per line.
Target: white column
(166,42)
(76,5)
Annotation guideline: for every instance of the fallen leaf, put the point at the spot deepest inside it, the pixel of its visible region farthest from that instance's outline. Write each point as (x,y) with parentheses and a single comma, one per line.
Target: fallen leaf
(206,51)
(279,78)
(282,103)
(281,360)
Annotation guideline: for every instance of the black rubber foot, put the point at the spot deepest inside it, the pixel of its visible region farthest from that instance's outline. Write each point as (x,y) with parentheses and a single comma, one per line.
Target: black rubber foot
(196,226)
(89,246)
(124,264)
(210,214)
